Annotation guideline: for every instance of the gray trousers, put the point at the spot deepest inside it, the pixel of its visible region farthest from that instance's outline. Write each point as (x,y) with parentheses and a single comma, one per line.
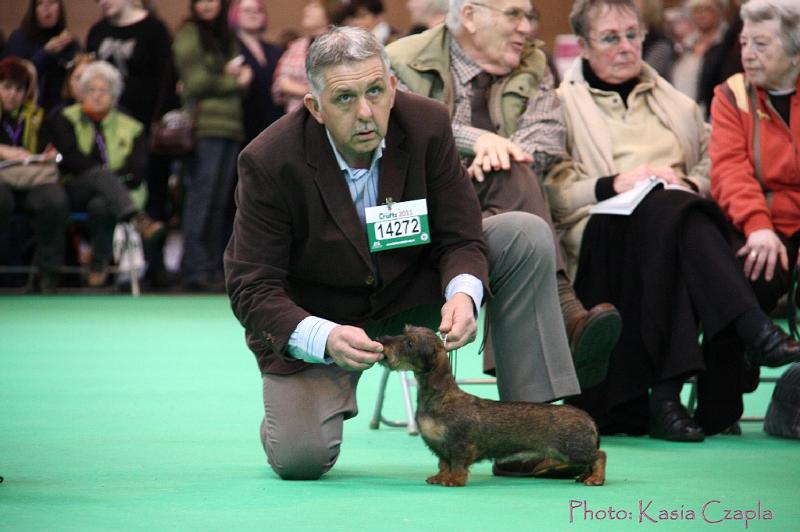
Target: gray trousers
(304,412)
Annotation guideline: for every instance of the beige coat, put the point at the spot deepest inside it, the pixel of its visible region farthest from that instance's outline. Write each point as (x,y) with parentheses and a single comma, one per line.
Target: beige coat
(674,131)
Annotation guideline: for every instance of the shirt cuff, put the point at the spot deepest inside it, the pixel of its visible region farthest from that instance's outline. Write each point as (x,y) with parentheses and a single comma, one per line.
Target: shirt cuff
(470,285)
(307,342)
(604,187)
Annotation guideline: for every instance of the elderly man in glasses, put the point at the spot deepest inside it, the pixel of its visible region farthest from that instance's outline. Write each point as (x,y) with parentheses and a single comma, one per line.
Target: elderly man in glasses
(482,64)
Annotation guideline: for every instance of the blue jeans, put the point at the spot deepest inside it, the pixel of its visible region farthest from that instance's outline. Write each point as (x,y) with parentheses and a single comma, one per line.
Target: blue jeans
(209,194)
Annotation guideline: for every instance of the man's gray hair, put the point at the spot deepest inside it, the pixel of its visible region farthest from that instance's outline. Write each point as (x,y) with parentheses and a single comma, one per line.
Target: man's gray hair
(341,45)
(454,21)
(786,12)
(105,71)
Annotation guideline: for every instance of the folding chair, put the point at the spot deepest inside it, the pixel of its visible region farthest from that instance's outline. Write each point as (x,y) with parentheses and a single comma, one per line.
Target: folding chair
(406,382)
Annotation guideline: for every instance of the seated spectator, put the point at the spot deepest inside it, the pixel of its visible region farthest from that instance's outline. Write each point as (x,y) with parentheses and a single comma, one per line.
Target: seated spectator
(658,50)
(426,14)
(668,266)
(290,84)
(44,39)
(71,90)
(21,137)
(755,177)
(249,18)
(105,157)
(368,14)
(708,17)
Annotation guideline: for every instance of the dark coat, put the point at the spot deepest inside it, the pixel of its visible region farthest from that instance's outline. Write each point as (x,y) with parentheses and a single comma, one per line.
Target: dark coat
(298,247)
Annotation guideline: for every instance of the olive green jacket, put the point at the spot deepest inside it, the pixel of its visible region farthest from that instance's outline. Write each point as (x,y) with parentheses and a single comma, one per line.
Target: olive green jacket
(422,63)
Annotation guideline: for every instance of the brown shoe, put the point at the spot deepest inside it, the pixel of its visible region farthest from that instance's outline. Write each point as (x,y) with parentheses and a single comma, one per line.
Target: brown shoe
(147,227)
(592,335)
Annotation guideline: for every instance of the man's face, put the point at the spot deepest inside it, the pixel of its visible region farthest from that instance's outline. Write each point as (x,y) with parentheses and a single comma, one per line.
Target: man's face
(354,106)
(11,95)
(498,30)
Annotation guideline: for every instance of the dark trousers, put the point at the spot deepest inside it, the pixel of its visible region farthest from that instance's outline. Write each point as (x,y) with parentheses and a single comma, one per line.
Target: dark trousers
(100,193)
(49,207)
(670,271)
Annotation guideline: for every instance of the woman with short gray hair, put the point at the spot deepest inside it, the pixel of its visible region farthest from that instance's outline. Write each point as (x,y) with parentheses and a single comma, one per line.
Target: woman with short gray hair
(105,156)
(755,139)
(105,71)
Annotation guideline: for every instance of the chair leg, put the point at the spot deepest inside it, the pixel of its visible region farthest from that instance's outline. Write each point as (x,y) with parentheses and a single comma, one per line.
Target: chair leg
(375,422)
(378,417)
(412,423)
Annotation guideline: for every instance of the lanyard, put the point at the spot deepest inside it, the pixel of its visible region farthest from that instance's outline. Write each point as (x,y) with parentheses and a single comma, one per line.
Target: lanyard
(14,133)
(101,145)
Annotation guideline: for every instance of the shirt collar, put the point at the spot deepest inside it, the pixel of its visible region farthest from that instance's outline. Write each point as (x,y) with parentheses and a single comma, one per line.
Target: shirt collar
(463,66)
(343,166)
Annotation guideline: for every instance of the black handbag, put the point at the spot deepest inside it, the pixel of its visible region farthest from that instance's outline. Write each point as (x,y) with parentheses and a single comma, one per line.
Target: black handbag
(783,414)
(174,134)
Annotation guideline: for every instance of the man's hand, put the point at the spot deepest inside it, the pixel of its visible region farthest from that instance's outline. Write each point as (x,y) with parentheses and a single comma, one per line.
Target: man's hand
(458,321)
(352,349)
(493,153)
(763,249)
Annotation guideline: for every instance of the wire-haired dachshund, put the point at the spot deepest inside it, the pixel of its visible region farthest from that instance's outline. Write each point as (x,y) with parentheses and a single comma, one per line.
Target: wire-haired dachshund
(462,429)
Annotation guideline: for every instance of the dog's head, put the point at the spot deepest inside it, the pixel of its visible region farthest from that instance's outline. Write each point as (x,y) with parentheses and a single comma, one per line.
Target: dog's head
(414,350)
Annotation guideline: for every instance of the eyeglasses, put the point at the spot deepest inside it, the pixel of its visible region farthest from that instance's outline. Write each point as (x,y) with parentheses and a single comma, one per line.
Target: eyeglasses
(612,40)
(513,14)
(97,90)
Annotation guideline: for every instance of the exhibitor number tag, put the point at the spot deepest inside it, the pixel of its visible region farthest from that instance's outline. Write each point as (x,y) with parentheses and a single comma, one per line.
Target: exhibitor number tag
(397,225)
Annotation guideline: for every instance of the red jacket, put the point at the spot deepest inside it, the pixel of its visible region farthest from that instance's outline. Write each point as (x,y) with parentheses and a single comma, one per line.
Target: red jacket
(733,180)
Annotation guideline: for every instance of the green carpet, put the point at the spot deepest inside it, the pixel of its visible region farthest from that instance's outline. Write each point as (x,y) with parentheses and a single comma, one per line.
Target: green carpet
(142,414)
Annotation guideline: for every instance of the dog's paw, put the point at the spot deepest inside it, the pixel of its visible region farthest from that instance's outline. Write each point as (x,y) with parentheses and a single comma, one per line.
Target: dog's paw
(592,480)
(447,480)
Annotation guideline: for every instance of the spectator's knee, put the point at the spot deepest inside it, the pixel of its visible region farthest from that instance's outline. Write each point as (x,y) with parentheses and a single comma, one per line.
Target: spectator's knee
(520,229)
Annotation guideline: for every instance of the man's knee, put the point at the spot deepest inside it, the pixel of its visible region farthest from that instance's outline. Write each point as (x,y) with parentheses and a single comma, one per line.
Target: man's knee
(304,457)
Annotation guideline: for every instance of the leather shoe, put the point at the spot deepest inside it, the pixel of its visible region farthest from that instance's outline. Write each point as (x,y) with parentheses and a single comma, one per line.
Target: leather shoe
(671,421)
(772,348)
(592,335)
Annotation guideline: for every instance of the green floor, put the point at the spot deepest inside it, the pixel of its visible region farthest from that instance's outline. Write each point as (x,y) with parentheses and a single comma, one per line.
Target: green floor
(142,414)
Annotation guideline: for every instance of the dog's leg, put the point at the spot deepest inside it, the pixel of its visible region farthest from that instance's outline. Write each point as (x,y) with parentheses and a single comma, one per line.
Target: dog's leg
(450,475)
(455,470)
(442,475)
(598,474)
